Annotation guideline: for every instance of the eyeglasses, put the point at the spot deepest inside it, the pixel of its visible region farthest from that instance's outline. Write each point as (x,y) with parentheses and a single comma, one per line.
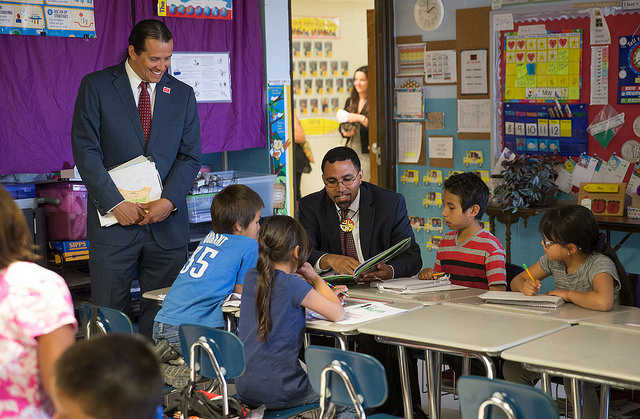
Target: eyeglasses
(346,181)
(547,243)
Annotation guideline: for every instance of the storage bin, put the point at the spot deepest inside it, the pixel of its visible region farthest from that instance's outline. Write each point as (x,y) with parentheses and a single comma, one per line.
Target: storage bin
(21,190)
(68,219)
(199,206)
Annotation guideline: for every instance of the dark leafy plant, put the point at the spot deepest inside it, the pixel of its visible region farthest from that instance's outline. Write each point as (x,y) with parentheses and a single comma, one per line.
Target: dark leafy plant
(526,181)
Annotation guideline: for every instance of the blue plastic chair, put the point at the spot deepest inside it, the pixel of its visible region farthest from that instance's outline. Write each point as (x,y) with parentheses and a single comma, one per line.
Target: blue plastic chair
(109,320)
(225,360)
(347,379)
(482,397)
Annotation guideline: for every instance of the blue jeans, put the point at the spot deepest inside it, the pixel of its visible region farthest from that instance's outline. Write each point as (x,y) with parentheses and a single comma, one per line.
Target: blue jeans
(168,332)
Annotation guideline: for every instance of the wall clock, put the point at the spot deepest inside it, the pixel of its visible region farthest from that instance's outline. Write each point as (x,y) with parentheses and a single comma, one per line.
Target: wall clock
(428,14)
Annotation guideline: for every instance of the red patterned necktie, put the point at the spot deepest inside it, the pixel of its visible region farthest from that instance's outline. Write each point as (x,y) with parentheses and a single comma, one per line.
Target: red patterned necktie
(346,237)
(144,109)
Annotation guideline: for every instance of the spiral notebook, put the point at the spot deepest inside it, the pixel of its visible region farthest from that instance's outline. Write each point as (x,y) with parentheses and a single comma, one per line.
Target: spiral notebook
(518,298)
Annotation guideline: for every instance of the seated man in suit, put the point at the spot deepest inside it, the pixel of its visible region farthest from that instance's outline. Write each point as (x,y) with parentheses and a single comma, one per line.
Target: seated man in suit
(350,221)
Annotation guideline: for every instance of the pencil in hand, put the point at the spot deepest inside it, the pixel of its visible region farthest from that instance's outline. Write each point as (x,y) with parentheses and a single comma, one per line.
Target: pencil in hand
(530,276)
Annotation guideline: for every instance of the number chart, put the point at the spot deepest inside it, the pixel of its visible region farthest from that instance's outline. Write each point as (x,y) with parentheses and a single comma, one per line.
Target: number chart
(546,129)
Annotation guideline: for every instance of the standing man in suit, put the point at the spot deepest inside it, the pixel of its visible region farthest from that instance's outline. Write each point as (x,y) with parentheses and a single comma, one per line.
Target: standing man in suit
(375,217)
(131,109)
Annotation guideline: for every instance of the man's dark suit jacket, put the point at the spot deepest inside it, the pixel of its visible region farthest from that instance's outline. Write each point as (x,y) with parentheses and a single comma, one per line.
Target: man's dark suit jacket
(107,132)
(383,223)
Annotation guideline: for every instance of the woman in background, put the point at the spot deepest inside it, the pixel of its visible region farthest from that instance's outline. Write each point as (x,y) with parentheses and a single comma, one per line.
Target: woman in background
(356,128)
(37,321)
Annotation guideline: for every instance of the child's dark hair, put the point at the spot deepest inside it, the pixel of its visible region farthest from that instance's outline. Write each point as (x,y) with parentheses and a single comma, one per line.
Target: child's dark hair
(111,376)
(279,235)
(234,204)
(471,190)
(576,224)
(15,239)
(341,153)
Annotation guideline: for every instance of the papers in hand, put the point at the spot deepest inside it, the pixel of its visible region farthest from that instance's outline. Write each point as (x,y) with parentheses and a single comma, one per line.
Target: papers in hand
(412,285)
(370,263)
(360,312)
(518,298)
(137,180)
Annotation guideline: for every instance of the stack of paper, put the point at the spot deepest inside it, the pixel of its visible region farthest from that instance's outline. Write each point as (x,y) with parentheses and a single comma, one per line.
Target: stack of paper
(411,285)
(518,298)
(137,180)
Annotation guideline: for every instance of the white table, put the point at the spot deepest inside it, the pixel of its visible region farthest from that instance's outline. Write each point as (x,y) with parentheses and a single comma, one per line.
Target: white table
(424,298)
(625,320)
(603,355)
(341,332)
(230,313)
(456,330)
(567,312)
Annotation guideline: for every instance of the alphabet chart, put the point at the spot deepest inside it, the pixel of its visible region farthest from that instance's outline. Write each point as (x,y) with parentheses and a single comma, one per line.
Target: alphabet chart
(546,129)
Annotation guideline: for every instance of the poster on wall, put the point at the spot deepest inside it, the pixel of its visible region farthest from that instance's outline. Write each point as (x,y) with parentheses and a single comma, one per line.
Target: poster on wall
(629,69)
(197,9)
(26,18)
(206,72)
(315,27)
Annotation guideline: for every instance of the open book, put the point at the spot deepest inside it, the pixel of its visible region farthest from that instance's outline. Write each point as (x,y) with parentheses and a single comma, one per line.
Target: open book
(369,264)
(518,298)
(411,285)
(137,180)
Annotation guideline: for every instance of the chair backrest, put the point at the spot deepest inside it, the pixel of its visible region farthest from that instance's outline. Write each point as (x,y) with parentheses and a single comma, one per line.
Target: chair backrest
(108,320)
(348,376)
(482,397)
(512,271)
(227,348)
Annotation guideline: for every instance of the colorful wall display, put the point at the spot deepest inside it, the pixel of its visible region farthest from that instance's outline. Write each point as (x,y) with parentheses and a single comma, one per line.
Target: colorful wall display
(629,69)
(36,18)
(542,68)
(196,9)
(315,27)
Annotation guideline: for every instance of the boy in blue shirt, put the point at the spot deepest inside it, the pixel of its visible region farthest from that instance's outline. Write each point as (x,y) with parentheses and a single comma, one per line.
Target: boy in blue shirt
(216,268)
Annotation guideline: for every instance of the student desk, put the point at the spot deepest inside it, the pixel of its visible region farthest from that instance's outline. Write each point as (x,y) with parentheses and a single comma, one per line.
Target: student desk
(457,330)
(230,313)
(341,332)
(625,320)
(604,355)
(567,312)
(365,291)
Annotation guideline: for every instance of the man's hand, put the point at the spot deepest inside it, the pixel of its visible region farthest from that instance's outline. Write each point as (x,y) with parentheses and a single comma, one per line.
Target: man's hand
(343,265)
(156,211)
(382,272)
(426,273)
(128,213)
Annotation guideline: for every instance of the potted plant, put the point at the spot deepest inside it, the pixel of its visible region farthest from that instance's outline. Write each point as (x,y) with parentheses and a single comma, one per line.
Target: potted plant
(527,181)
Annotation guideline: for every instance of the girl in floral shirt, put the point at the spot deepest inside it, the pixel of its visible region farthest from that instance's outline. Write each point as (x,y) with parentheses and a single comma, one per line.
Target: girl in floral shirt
(37,321)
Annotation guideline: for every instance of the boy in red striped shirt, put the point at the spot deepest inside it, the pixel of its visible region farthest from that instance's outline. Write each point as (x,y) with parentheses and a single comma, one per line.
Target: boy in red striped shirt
(471,255)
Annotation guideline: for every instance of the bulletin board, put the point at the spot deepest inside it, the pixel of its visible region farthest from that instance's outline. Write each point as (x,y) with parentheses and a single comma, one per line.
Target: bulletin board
(537,85)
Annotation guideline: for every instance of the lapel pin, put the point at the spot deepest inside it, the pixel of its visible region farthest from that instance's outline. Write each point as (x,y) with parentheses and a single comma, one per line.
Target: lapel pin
(166,90)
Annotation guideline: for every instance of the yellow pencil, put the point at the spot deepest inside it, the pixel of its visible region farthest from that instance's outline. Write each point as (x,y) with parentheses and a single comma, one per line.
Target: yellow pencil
(530,276)
(438,274)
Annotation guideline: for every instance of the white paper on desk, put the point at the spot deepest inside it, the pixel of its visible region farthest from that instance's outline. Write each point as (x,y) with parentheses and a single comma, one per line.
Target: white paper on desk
(584,170)
(232,300)
(616,169)
(359,313)
(138,180)
(411,285)
(409,142)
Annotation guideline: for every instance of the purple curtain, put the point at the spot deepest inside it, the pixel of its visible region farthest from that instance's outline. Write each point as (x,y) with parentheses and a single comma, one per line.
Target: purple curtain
(39,78)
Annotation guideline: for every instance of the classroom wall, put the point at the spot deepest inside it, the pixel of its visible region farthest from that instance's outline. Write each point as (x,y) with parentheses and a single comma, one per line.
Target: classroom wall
(351,47)
(525,241)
